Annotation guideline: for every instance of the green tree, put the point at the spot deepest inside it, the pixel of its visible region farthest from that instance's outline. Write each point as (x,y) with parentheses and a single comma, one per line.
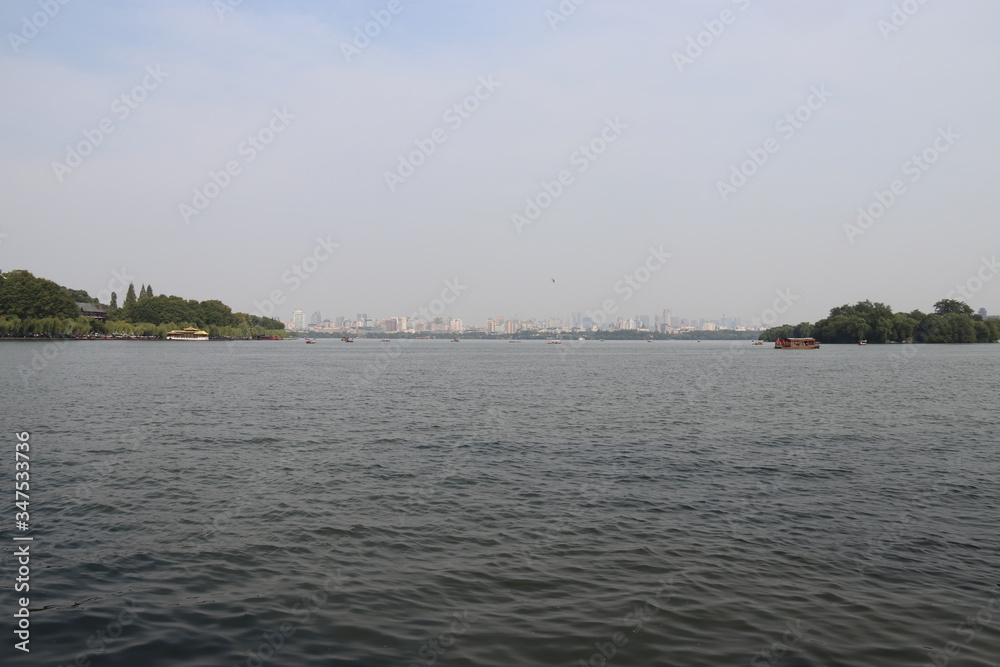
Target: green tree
(216,313)
(129,297)
(982,331)
(903,326)
(846,327)
(949,306)
(773,333)
(993,328)
(934,328)
(258,321)
(79,295)
(883,330)
(963,328)
(25,296)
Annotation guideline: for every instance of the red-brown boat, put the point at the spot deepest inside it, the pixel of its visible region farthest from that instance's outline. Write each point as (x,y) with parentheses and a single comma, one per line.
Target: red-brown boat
(796,344)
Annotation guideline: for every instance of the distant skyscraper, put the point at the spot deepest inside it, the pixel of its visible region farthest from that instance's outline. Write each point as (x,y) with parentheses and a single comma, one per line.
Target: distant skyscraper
(491,326)
(316,318)
(299,319)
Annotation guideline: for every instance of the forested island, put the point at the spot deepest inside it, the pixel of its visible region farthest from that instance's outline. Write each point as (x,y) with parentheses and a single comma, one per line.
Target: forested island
(33,306)
(951,322)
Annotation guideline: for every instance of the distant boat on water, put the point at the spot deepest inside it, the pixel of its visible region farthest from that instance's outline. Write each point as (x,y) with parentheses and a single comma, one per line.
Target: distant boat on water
(310,340)
(796,344)
(862,342)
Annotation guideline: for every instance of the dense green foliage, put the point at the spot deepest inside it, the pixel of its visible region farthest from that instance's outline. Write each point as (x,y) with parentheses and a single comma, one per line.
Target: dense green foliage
(951,322)
(79,295)
(22,295)
(31,305)
(165,309)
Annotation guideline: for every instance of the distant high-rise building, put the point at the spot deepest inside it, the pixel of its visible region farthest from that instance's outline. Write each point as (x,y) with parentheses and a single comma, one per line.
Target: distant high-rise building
(298,319)
(510,327)
(316,318)
(982,313)
(491,326)
(667,317)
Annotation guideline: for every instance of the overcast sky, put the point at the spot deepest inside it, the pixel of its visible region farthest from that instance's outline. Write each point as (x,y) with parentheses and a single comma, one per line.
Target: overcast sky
(311,117)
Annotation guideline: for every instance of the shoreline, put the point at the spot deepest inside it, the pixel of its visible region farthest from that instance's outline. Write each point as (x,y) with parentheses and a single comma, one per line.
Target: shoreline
(125,339)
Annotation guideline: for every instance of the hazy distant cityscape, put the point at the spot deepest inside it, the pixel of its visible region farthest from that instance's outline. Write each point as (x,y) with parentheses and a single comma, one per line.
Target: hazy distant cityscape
(664,322)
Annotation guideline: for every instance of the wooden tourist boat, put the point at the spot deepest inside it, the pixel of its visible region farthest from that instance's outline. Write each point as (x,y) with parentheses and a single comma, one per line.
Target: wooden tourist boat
(796,344)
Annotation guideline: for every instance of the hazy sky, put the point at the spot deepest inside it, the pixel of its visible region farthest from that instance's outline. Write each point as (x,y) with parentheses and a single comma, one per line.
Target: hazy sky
(828,101)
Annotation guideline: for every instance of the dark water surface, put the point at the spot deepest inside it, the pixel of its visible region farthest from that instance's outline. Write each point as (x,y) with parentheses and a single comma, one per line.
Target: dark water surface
(487,503)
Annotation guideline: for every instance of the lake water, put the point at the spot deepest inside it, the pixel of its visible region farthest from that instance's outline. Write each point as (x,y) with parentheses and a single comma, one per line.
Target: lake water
(488,503)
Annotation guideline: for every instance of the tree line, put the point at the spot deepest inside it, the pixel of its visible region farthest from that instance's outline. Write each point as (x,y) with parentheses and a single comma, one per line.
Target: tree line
(33,305)
(951,322)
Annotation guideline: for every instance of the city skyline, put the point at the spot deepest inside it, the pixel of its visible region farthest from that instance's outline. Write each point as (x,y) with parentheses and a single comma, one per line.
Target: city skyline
(575,321)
